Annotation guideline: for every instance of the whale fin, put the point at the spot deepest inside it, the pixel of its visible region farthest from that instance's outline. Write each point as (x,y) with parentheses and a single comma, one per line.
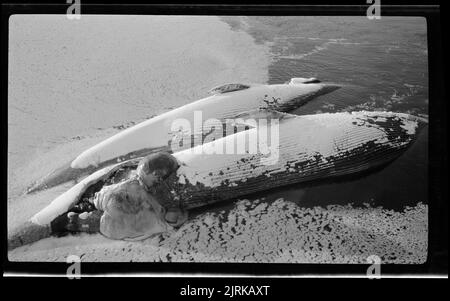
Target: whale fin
(302,80)
(263,114)
(228,88)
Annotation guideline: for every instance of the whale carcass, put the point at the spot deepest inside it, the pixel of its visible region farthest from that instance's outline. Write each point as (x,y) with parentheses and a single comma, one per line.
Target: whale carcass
(154,134)
(310,147)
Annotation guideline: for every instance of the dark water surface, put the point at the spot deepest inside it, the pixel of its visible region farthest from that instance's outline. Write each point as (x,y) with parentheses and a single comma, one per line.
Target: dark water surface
(383,66)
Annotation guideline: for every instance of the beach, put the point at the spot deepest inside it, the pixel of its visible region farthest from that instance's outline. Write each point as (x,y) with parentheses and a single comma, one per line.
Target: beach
(73,83)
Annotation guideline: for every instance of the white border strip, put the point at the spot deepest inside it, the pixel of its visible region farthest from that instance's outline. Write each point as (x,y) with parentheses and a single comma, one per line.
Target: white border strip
(149,275)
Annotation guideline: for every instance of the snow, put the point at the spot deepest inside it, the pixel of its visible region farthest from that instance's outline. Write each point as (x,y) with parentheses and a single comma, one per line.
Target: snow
(260,231)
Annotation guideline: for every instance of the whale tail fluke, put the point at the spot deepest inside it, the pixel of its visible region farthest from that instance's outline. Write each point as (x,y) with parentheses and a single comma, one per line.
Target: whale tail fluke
(59,176)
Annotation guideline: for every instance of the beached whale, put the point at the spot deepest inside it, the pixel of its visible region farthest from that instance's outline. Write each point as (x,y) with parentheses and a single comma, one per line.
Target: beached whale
(311,147)
(154,134)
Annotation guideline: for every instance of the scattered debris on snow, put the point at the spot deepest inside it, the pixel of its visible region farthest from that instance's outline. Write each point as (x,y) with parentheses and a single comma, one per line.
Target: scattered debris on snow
(260,231)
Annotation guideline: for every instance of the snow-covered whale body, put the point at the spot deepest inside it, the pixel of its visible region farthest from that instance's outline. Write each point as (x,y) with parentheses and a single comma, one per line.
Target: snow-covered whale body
(152,135)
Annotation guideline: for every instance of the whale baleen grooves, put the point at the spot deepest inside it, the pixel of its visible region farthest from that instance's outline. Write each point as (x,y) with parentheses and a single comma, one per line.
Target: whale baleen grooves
(154,134)
(311,147)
